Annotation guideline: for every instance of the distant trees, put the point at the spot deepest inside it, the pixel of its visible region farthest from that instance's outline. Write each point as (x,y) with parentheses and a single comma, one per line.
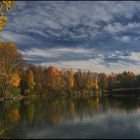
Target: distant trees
(126,79)
(30,79)
(42,79)
(53,81)
(79,80)
(86,81)
(91,81)
(14,73)
(70,79)
(66,81)
(68,76)
(103,81)
(121,80)
(27,82)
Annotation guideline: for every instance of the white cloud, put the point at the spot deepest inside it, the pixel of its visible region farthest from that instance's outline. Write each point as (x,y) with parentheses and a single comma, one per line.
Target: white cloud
(15,37)
(135,56)
(49,16)
(96,65)
(125,38)
(119,27)
(55,52)
(70,21)
(123,60)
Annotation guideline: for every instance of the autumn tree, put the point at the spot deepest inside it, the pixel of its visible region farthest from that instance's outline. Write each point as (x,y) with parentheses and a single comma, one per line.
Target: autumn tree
(11,63)
(103,81)
(126,79)
(70,79)
(111,81)
(30,79)
(15,80)
(91,81)
(79,78)
(80,82)
(68,76)
(27,83)
(5,6)
(53,80)
(39,78)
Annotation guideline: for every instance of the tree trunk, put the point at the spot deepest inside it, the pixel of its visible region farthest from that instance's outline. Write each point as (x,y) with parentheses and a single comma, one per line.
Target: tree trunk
(3,88)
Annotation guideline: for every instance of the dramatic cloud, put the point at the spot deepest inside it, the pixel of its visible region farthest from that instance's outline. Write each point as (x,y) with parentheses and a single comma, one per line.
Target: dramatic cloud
(118,27)
(54,52)
(97,35)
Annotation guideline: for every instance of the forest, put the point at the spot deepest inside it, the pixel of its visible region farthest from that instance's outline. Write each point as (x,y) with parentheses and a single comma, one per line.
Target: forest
(18,77)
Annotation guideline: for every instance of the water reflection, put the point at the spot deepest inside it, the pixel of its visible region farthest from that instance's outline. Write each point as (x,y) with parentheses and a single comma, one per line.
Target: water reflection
(59,118)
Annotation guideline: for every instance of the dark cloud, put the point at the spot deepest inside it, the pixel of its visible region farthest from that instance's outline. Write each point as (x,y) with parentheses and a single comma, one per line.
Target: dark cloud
(98,27)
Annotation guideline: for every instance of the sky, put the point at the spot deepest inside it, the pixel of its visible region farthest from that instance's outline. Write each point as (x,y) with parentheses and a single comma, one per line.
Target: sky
(100,36)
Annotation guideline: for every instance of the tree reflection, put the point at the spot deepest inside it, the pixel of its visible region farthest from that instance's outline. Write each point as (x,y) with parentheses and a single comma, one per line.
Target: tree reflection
(14,112)
(70,109)
(5,124)
(15,116)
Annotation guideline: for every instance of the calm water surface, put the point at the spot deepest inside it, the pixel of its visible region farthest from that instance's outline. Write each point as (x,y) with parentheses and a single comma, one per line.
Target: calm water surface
(61,118)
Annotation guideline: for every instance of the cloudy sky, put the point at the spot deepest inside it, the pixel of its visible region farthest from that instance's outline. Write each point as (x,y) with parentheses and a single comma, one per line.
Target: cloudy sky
(91,35)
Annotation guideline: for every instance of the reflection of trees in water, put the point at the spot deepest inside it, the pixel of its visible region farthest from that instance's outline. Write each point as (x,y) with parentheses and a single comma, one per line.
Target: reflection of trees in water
(9,120)
(56,110)
(16,116)
(86,107)
(49,111)
(36,113)
(53,111)
(5,124)
(27,111)
(128,104)
(70,110)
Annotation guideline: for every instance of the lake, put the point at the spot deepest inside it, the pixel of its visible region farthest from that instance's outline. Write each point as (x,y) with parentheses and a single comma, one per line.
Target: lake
(116,117)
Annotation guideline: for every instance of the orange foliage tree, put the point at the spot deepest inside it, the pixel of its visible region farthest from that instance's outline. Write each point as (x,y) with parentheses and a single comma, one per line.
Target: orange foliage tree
(54,80)
(15,80)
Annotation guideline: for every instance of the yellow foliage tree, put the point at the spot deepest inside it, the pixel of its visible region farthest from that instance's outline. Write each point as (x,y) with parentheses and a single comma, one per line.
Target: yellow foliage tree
(30,79)
(11,63)
(15,80)
(91,81)
(70,78)
(5,6)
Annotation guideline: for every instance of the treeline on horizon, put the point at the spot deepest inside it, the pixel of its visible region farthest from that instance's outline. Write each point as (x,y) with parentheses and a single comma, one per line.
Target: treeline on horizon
(18,76)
